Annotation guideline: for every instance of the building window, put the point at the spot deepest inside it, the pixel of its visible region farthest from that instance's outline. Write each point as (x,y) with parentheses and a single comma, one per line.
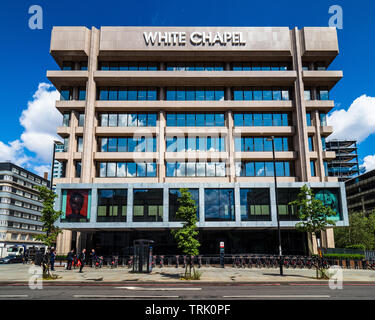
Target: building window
(195,66)
(81,120)
(78,168)
(195,120)
(323,119)
(195,169)
(311,144)
(127,93)
(287,212)
(128,66)
(312,168)
(126,169)
(264,169)
(186,144)
(81,93)
(256,144)
(324,145)
(66,119)
(257,66)
(308,119)
(174,194)
(66,144)
(219,204)
(253,93)
(79,144)
(66,94)
(127,144)
(128,120)
(307,94)
(194,93)
(112,205)
(323,94)
(261,119)
(148,205)
(255,204)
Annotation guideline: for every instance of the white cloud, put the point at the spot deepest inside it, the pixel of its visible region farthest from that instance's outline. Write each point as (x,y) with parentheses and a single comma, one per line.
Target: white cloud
(13,152)
(40,120)
(40,170)
(369,163)
(358,122)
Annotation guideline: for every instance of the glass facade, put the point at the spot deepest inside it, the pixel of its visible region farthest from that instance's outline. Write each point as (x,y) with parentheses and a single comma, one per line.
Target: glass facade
(128,119)
(195,169)
(128,93)
(261,119)
(195,66)
(185,144)
(112,205)
(312,168)
(311,144)
(174,194)
(256,144)
(255,204)
(308,119)
(194,93)
(127,66)
(258,66)
(148,205)
(253,93)
(287,212)
(195,120)
(127,144)
(263,169)
(126,169)
(219,204)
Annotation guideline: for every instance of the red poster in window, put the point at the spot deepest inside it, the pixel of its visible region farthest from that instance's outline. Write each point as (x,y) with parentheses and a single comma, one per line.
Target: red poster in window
(77,204)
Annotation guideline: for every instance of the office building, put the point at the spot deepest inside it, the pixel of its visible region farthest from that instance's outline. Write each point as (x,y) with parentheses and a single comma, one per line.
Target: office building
(148,110)
(20,207)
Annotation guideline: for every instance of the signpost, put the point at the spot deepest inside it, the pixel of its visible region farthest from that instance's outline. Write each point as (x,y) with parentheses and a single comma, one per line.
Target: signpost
(222,254)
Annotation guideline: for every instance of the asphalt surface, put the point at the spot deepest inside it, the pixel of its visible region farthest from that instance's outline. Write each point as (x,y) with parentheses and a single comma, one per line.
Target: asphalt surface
(196,291)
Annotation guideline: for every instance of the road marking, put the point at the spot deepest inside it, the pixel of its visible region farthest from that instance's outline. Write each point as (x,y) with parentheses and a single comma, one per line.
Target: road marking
(279,296)
(13,296)
(122,297)
(159,289)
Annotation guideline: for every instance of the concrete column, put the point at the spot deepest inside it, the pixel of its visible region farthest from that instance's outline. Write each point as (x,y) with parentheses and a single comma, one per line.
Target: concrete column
(88,135)
(94,205)
(237,204)
(70,169)
(319,148)
(273,204)
(201,205)
(165,205)
(161,146)
(129,208)
(329,238)
(230,146)
(300,108)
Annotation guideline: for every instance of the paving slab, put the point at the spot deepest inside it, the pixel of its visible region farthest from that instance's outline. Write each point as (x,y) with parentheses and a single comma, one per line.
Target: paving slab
(22,273)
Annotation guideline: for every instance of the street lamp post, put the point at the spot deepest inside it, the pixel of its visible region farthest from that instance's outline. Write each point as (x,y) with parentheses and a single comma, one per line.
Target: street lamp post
(272,138)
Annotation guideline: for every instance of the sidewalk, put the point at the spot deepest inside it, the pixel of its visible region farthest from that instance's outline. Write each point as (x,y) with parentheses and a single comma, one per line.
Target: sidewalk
(20,273)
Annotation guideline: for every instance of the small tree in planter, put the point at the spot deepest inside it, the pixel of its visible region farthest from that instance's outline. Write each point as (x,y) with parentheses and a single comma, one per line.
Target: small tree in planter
(49,217)
(186,236)
(314,218)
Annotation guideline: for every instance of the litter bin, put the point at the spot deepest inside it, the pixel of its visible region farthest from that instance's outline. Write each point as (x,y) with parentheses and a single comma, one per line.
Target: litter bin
(142,256)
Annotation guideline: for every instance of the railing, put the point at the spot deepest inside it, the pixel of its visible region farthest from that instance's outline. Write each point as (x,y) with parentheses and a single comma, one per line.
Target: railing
(235,261)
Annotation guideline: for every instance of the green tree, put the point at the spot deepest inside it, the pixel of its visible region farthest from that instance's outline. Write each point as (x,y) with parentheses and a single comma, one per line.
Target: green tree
(361,231)
(49,217)
(186,237)
(314,218)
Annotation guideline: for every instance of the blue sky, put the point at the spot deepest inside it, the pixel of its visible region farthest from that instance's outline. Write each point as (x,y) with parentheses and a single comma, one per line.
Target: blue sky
(25,57)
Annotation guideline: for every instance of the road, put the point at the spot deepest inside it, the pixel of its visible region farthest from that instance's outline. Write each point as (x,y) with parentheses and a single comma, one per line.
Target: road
(198,291)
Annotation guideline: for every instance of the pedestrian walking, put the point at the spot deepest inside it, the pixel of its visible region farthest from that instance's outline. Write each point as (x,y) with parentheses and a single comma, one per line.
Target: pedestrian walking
(70,257)
(92,257)
(82,259)
(52,259)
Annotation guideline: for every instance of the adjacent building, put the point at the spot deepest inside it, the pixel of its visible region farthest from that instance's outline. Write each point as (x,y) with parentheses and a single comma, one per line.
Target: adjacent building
(149,110)
(20,207)
(361,193)
(345,166)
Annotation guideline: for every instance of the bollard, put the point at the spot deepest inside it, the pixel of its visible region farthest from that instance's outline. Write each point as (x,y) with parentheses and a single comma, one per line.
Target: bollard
(177,262)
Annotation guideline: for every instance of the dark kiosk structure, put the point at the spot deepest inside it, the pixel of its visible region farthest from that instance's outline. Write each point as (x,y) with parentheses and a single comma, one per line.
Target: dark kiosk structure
(142,256)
